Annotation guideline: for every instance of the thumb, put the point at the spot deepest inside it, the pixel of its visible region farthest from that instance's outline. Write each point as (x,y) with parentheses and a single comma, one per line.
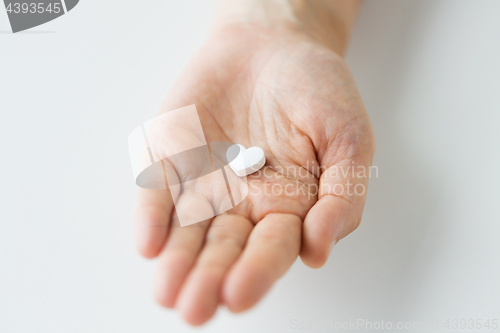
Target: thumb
(337,213)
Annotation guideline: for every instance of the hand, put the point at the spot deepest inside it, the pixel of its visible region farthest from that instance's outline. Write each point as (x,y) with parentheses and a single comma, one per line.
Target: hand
(283,91)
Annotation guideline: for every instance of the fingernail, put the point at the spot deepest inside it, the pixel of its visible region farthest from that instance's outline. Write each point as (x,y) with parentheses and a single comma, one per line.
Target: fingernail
(337,233)
(332,245)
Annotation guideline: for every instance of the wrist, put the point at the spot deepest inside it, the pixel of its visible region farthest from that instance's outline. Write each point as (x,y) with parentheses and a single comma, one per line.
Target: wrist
(328,22)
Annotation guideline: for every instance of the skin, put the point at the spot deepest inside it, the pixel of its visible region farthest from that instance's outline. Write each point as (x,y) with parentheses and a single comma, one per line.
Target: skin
(279,83)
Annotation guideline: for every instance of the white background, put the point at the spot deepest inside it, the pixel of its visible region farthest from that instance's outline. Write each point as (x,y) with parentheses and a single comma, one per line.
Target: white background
(71,91)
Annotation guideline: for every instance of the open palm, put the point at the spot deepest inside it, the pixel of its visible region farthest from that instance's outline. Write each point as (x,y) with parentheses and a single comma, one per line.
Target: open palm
(296,100)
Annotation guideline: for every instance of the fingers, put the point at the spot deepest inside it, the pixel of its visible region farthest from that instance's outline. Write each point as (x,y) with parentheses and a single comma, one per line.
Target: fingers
(200,294)
(176,260)
(151,220)
(182,247)
(336,214)
(271,249)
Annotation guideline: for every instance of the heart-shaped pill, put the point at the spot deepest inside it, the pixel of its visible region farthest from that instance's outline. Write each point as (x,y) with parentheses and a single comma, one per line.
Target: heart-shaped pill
(245,161)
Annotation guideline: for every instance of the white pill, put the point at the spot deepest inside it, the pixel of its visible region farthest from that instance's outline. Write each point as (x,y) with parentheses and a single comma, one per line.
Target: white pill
(245,161)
